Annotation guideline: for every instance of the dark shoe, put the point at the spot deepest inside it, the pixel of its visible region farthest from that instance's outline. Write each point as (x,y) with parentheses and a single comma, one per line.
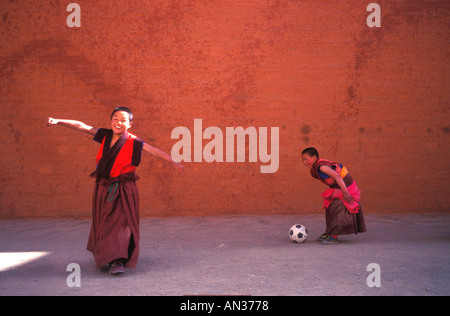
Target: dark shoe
(116,267)
(322,237)
(331,240)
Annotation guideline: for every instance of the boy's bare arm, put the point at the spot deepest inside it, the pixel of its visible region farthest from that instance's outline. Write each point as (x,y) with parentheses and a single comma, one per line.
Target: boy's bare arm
(160,154)
(76,125)
(337,177)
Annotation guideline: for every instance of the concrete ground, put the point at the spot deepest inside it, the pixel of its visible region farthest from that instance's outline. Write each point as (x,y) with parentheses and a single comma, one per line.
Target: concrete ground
(233,255)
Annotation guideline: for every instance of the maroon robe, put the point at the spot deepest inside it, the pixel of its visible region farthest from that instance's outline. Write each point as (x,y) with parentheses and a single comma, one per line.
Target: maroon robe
(115,208)
(339,221)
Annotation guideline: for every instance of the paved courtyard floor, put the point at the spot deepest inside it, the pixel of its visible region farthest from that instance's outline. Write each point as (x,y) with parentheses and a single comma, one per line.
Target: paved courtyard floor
(233,255)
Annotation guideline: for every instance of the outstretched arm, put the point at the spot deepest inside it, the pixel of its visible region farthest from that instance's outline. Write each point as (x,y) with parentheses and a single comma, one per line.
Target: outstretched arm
(160,154)
(76,125)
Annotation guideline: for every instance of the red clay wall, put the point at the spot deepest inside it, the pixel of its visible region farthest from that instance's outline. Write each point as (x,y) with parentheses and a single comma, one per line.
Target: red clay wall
(376,99)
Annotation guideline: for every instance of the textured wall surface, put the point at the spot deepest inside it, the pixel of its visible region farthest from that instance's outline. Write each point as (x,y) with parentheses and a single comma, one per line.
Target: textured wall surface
(376,99)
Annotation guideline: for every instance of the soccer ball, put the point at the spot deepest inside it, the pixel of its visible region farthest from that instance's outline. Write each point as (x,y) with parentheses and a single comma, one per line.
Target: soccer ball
(298,233)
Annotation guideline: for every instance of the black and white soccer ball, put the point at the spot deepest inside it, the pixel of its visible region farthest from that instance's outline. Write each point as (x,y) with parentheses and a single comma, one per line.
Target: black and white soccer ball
(298,233)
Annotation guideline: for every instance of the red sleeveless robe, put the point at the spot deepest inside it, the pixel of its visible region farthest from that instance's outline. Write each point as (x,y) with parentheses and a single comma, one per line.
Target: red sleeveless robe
(115,208)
